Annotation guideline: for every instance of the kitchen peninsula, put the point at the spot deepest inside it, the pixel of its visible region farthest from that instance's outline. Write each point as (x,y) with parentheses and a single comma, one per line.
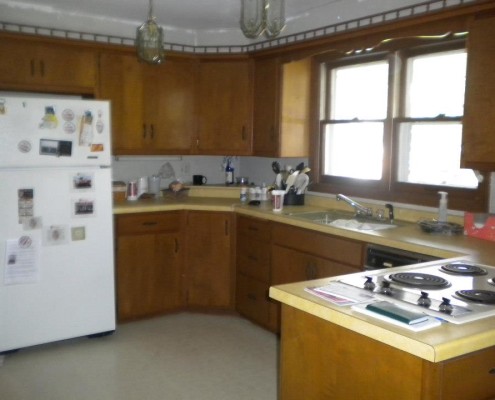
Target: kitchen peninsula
(332,352)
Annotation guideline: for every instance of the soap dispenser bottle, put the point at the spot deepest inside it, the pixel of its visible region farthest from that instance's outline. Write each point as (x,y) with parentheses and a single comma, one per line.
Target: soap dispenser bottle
(442,207)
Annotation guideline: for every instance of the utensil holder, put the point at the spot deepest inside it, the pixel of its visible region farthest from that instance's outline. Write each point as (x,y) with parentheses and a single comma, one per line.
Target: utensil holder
(293,199)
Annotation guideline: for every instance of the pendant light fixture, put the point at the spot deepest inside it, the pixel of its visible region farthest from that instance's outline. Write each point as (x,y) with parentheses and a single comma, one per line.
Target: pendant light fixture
(149,40)
(262,16)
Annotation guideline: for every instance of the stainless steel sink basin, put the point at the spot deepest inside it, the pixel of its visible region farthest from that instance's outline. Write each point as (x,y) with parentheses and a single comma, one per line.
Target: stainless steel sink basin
(344,220)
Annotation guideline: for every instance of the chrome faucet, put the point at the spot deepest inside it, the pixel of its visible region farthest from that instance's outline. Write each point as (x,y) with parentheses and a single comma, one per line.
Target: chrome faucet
(360,209)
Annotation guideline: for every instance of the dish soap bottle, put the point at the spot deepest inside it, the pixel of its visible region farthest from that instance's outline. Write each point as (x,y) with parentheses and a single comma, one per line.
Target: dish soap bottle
(442,207)
(229,173)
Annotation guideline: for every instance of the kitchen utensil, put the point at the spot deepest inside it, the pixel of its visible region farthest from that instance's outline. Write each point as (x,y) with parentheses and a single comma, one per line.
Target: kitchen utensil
(300,166)
(278,181)
(167,171)
(142,185)
(290,180)
(305,170)
(301,183)
(154,182)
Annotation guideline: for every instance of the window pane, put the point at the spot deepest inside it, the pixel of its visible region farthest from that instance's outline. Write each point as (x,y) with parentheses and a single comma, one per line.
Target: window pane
(436,84)
(430,154)
(360,91)
(354,150)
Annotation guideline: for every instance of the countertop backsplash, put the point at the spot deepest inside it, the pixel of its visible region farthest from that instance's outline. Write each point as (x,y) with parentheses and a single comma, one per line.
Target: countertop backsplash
(257,169)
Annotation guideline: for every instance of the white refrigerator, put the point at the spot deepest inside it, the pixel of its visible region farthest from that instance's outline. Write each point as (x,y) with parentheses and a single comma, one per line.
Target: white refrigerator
(56,225)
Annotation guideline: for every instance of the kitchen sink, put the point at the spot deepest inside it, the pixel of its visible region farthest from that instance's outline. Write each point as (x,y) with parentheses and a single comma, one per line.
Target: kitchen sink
(344,220)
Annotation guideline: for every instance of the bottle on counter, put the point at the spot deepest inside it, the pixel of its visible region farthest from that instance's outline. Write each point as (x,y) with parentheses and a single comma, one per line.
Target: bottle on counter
(442,207)
(229,173)
(244,194)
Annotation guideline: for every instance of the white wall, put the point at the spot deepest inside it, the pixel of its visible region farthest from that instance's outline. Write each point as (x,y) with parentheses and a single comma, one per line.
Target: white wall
(257,169)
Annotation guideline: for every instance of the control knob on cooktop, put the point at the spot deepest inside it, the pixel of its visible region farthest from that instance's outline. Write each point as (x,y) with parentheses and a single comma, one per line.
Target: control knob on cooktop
(424,300)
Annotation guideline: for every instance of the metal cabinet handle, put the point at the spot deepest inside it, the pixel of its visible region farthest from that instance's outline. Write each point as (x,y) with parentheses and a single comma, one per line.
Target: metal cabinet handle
(176,245)
(144,131)
(152,129)
(150,223)
(311,271)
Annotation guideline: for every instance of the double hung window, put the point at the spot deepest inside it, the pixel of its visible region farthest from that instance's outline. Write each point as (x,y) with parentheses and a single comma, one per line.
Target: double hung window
(391,125)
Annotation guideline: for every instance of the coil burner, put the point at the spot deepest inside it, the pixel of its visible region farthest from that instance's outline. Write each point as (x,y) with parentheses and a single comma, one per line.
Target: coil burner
(419,280)
(463,269)
(479,296)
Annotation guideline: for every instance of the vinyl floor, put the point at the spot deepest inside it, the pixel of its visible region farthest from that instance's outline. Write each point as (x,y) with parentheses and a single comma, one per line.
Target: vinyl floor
(182,356)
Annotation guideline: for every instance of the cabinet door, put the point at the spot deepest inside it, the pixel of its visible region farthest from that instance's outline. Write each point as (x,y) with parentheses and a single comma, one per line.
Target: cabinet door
(478,140)
(209,276)
(149,264)
(281,108)
(59,68)
(266,106)
(148,274)
(121,82)
(224,125)
(170,109)
(290,265)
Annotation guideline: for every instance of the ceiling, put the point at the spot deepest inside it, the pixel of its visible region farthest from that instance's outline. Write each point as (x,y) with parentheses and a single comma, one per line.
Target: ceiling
(184,14)
(188,22)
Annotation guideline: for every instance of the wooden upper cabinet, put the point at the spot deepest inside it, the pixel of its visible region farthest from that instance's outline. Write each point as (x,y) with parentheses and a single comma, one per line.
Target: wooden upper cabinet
(225,98)
(34,66)
(151,105)
(121,82)
(266,106)
(281,108)
(478,139)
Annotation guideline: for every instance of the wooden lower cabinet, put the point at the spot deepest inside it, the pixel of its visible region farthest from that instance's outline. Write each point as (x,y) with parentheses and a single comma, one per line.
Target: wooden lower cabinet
(321,360)
(271,254)
(149,259)
(291,265)
(209,274)
(254,272)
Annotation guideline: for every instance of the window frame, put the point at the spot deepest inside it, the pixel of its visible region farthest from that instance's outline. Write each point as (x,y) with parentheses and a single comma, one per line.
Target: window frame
(388,188)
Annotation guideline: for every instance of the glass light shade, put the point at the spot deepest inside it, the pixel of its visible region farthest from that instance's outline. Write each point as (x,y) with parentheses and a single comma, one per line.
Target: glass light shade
(274,17)
(252,17)
(150,42)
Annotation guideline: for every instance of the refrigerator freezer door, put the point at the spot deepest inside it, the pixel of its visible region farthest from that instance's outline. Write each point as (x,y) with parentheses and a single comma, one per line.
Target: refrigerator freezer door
(53,132)
(56,255)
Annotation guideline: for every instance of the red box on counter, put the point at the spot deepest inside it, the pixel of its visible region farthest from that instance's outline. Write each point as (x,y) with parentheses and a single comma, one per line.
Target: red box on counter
(481,226)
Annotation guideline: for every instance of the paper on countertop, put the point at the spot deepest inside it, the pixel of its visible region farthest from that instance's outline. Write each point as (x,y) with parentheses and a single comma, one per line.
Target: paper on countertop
(341,294)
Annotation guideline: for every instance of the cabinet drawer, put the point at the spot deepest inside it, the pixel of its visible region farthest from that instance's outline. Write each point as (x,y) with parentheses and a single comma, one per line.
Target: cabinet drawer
(471,377)
(252,300)
(254,227)
(253,258)
(347,251)
(148,223)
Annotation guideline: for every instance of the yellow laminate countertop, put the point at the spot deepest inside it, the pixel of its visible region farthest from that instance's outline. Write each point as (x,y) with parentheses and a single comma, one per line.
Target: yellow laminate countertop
(435,345)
